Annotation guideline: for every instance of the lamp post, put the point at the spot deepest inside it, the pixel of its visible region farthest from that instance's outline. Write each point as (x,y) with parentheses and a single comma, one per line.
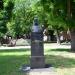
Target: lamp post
(37,49)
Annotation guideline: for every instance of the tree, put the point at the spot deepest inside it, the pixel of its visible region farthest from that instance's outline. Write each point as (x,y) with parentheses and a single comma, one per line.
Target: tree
(53,14)
(22,18)
(71,22)
(3,27)
(61,14)
(5,15)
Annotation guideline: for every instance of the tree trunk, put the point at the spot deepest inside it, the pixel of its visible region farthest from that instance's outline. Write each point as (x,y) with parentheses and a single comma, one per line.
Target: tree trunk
(58,37)
(73,40)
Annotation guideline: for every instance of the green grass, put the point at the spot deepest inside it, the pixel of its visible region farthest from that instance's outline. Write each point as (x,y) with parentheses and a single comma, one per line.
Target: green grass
(62,60)
(12,60)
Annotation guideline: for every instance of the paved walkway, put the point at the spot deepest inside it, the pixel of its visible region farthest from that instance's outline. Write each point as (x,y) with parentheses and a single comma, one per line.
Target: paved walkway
(46,46)
(44,71)
(57,46)
(16,47)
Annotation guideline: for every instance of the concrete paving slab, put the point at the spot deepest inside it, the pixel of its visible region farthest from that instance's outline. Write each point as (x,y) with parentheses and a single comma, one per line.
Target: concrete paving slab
(43,71)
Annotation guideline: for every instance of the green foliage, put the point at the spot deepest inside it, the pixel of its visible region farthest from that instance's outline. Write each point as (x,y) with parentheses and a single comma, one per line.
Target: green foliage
(56,13)
(17,15)
(22,18)
(5,15)
(39,11)
(1,4)
(8,8)
(49,14)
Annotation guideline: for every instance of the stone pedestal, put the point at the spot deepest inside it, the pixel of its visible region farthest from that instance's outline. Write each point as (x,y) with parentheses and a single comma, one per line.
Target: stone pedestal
(37,50)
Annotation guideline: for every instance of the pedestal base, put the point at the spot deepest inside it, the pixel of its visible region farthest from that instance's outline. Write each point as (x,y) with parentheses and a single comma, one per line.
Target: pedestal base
(37,62)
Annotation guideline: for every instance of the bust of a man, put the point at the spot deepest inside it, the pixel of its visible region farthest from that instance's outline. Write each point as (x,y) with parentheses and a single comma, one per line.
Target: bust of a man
(35,27)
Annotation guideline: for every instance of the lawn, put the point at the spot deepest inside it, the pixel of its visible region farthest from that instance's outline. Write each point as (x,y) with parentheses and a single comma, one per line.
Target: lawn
(11,60)
(62,60)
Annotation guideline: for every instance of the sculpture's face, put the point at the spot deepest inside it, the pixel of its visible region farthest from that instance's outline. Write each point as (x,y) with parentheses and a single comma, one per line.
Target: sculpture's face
(35,21)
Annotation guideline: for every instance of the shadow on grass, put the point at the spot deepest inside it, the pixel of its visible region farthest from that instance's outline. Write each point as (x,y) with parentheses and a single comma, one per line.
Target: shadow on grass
(67,44)
(59,49)
(59,61)
(14,50)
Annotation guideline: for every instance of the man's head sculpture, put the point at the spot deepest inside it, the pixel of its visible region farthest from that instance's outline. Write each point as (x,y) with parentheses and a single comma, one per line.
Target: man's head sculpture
(35,21)
(35,27)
